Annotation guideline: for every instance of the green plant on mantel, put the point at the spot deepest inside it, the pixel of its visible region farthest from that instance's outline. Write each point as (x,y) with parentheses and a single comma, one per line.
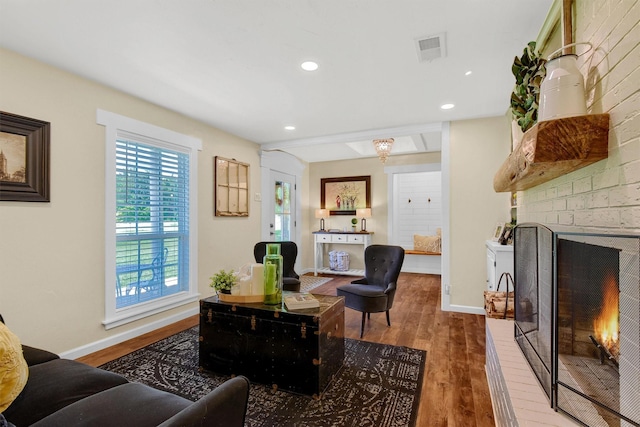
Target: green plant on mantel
(529,71)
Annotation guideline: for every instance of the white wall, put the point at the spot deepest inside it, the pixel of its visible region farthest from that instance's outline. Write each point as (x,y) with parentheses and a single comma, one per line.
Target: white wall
(605,195)
(52,254)
(418,206)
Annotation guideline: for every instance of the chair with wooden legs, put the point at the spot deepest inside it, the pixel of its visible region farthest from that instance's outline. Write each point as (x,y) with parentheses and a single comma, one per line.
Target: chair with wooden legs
(374,293)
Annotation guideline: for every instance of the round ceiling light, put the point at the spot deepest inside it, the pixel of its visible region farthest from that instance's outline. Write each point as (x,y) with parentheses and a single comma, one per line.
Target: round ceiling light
(447,106)
(309,66)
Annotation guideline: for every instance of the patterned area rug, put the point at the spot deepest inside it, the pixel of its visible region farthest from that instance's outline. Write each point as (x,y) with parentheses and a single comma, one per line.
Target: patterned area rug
(379,385)
(307,283)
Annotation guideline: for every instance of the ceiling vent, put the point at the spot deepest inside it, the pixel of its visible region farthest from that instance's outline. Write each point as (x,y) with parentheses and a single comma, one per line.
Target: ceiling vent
(431,47)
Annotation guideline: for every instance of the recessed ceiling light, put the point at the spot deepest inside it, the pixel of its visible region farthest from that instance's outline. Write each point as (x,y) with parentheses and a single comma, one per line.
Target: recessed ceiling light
(309,66)
(468,73)
(289,127)
(447,106)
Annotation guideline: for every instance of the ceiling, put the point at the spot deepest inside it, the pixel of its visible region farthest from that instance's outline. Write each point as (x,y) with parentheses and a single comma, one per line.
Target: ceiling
(235,64)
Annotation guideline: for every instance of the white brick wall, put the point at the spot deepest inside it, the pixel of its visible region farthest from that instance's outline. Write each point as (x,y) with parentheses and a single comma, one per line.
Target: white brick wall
(605,195)
(418,206)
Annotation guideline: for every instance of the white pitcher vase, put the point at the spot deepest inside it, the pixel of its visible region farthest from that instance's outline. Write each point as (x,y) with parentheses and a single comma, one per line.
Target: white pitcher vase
(562,90)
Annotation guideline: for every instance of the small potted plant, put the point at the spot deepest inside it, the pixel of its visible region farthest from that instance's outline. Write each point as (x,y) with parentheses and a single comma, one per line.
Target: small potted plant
(223,281)
(354,222)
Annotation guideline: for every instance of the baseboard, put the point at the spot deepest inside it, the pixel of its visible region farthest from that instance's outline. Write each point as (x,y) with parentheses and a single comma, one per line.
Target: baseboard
(124,336)
(467,309)
(435,271)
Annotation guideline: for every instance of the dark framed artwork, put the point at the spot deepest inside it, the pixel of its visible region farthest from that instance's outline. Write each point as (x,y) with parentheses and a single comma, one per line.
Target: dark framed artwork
(24,158)
(342,196)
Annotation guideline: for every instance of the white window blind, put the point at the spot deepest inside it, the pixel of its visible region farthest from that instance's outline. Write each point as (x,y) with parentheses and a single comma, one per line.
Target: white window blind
(152,222)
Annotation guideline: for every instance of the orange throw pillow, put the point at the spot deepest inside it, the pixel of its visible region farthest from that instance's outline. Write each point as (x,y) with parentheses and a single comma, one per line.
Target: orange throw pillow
(13,368)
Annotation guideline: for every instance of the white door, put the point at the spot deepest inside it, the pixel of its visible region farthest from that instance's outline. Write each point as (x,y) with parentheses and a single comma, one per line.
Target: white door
(283,220)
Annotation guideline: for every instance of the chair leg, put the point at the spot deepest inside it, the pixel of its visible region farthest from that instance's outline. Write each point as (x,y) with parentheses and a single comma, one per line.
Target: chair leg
(369,316)
(388,321)
(364,316)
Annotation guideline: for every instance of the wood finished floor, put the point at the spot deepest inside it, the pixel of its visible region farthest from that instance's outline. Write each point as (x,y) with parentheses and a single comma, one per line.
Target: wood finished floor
(454,391)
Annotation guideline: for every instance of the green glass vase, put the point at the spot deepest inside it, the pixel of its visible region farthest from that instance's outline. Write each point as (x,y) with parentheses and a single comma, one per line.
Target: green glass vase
(272,262)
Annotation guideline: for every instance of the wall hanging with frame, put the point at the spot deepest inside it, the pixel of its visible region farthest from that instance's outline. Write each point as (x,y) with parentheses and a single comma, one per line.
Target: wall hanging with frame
(24,158)
(231,187)
(342,196)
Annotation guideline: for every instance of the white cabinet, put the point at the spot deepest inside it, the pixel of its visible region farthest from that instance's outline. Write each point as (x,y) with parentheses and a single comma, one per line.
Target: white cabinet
(322,238)
(499,260)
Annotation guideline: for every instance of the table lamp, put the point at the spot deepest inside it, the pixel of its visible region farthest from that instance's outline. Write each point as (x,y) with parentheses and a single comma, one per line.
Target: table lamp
(363,213)
(322,214)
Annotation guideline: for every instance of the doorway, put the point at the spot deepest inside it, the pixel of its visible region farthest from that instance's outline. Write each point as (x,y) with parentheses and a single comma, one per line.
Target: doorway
(276,166)
(282,212)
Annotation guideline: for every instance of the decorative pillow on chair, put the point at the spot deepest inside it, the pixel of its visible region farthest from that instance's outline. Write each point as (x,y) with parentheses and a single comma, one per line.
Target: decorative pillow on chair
(427,243)
(13,368)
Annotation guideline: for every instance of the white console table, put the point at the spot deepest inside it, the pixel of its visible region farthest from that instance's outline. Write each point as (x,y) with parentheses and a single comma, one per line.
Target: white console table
(321,238)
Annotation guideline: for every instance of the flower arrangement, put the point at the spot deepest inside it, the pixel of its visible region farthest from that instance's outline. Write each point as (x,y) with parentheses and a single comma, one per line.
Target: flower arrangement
(223,281)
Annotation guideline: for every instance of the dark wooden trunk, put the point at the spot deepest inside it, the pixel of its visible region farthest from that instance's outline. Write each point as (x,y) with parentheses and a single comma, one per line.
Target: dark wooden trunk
(299,351)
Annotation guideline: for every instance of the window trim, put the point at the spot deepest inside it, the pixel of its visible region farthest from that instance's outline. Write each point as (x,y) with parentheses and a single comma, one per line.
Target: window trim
(114,125)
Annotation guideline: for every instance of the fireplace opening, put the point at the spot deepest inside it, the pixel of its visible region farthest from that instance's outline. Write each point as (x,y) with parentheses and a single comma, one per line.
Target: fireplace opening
(576,320)
(606,325)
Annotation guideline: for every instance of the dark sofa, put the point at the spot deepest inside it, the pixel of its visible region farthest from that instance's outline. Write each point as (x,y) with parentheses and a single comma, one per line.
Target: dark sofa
(62,392)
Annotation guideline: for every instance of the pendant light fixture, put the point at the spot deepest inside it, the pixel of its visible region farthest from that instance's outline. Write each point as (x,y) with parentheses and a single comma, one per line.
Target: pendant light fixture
(383,148)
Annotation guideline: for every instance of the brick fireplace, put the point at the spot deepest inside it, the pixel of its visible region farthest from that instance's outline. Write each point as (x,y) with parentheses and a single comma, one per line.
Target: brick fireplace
(576,323)
(603,198)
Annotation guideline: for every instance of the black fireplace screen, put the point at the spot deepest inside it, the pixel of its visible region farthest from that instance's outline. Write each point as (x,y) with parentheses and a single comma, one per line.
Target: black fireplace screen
(576,317)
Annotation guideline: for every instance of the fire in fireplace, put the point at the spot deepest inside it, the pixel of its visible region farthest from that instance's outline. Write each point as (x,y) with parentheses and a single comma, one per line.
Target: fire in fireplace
(606,325)
(576,320)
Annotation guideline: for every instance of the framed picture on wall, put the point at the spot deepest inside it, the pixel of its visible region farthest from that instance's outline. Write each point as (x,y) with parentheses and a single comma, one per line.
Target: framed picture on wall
(231,187)
(506,237)
(24,158)
(497,232)
(342,196)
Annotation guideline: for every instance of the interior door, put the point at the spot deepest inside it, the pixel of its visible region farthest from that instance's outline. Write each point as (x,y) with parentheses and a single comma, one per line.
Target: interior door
(283,223)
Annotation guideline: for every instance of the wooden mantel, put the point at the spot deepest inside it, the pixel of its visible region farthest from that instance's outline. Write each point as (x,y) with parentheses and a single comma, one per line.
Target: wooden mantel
(553,148)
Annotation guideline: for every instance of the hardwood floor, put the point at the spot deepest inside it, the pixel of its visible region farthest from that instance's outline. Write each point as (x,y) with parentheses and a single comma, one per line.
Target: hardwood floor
(454,391)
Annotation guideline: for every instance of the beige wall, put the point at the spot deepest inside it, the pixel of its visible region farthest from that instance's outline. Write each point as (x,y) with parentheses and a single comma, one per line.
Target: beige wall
(52,254)
(477,149)
(379,198)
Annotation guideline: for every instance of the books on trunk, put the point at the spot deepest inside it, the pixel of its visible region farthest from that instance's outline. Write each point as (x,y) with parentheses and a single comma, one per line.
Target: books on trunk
(300,301)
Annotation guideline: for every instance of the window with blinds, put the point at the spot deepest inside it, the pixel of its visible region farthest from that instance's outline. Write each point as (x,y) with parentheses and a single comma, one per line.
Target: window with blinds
(151,220)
